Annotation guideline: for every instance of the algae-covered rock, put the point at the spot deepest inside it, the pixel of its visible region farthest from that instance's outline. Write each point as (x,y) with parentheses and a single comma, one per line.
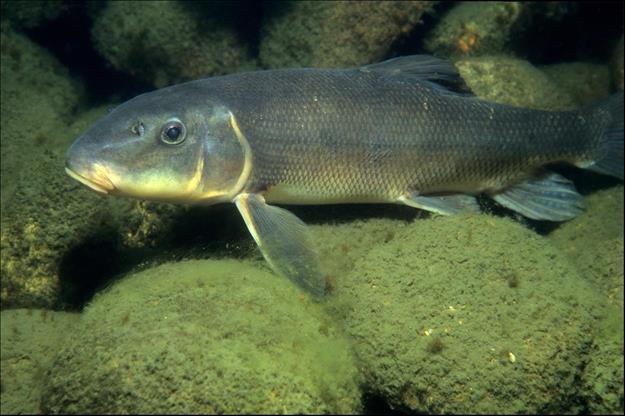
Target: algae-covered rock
(38,98)
(603,375)
(341,246)
(29,340)
(480,28)
(594,243)
(513,81)
(32,13)
(165,42)
(43,212)
(585,82)
(475,28)
(616,65)
(47,216)
(204,337)
(335,33)
(468,314)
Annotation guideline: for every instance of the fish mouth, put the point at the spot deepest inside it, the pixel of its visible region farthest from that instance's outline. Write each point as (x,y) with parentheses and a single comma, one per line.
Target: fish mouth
(99,183)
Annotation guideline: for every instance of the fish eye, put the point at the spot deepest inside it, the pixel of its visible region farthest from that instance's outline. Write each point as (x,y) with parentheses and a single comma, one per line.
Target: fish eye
(173,132)
(138,129)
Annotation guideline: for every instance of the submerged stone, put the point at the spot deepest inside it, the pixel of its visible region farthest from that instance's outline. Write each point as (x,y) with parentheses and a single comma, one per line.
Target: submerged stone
(204,337)
(468,314)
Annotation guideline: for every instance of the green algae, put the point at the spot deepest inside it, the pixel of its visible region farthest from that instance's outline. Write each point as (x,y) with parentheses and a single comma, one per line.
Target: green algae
(475,28)
(33,13)
(593,242)
(468,314)
(335,33)
(165,42)
(46,215)
(204,337)
(586,82)
(513,81)
(38,98)
(28,341)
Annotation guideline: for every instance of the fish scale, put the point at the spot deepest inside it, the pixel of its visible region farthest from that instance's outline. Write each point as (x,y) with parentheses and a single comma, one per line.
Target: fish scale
(317,136)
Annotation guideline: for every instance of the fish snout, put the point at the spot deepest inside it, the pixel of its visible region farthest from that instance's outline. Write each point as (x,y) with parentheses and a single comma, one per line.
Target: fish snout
(81,166)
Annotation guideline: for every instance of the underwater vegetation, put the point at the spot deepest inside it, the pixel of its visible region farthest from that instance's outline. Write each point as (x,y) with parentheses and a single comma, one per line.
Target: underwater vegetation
(122,306)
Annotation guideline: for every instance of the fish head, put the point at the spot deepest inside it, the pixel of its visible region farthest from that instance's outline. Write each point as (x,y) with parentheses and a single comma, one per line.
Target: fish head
(168,145)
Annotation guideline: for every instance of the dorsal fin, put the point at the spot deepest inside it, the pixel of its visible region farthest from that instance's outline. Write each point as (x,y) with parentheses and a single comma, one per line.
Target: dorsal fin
(430,70)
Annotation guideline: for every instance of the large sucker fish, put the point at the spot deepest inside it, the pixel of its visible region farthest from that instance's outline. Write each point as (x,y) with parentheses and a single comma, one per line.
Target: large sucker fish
(400,131)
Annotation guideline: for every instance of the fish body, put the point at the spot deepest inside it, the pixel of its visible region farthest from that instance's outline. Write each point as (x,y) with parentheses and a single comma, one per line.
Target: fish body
(389,132)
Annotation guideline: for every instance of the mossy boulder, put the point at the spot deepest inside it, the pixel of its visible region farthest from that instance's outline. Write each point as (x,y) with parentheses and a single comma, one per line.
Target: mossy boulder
(604,373)
(475,28)
(335,33)
(166,42)
(49,214)
(38,98)
(32,13)
(513,81)
(468,314)
(586,82)
(593,242)
(29,341)
(204,337)
(43,212)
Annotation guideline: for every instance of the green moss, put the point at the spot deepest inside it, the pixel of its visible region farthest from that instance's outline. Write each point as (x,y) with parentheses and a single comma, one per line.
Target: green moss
(165,42)
(335,33)
(37,98)
(513,81)
(29,339)
(475,28)
(32,13)
(593,242)
(585,82)
(204,336)
(506,349)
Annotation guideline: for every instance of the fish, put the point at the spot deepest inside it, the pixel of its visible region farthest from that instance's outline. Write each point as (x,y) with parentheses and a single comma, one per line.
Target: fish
(402,131)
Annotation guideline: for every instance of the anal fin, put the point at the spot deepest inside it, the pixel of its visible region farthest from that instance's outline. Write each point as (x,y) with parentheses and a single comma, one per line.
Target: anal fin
(550,197)
(284,241)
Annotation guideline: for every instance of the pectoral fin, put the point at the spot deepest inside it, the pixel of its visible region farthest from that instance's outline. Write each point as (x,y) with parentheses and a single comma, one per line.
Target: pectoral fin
(284,241)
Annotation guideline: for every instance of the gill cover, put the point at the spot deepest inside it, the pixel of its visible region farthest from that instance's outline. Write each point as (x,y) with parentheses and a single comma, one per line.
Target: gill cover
(227,159)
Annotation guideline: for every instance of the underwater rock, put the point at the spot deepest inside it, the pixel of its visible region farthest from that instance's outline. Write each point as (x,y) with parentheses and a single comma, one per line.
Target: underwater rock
(38,98)
(29,339)
(341,246)
(204,337)
(584,81)
(603,375)
(32,13)
(475,28)
(593,242)
(513,81)
(166,42)
(335,33)
(47,216)
(43,212)
(616,65)
(468,314)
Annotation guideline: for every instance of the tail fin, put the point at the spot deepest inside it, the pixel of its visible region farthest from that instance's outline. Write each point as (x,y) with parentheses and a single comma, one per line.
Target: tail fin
(611,160)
